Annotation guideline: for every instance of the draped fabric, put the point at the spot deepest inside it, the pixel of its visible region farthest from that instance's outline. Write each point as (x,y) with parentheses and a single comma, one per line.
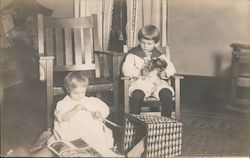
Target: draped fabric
(143,12)
(104,11)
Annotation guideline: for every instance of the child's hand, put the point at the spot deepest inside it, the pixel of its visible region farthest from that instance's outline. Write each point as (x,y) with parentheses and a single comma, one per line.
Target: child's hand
(146,60)
(145,72)
(97,115)
(163,75)
(80,107)
(134,78)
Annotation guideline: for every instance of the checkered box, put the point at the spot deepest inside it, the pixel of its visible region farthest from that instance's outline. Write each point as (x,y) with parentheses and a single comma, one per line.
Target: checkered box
(162,135)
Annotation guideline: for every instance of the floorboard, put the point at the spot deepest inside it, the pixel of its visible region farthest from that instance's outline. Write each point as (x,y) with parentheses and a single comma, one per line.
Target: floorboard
(209,128)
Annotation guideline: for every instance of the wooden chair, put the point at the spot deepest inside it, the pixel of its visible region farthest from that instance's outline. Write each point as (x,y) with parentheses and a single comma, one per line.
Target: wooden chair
(240,81)
(174,81)
(71,44)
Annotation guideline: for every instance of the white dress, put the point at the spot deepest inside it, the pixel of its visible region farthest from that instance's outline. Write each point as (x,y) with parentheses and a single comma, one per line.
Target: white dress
(82,125)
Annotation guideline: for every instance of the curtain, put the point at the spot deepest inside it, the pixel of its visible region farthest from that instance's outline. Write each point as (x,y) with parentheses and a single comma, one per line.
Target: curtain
(143,12)
(104,11)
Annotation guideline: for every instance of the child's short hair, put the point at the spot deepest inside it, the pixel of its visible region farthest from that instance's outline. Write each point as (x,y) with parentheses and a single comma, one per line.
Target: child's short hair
(75,79)
(149,32)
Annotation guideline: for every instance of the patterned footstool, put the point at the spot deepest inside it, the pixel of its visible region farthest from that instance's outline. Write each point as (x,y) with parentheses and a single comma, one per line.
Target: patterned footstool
(162,135)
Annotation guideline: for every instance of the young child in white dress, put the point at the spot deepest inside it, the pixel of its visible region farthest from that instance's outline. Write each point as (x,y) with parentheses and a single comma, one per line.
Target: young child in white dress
(79,116)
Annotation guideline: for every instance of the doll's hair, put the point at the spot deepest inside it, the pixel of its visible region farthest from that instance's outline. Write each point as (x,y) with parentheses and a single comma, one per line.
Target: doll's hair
(149,32)
(75,79)
(158,64)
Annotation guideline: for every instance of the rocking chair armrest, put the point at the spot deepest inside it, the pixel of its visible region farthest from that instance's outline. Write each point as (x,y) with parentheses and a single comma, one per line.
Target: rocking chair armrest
(125,78)
(44,57)
(178,77)
(176,81)
(110,53)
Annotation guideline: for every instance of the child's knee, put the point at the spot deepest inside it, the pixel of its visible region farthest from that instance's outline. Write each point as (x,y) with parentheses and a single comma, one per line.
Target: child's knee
(163,93)
(138,94)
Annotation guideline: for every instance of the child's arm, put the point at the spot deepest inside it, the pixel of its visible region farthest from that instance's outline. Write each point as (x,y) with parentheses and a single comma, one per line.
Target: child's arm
(67,115)
(130,67)
(99,108)
(170,70)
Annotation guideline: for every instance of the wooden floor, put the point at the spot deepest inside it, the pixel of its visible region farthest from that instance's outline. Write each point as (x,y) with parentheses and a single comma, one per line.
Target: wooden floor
(23,109)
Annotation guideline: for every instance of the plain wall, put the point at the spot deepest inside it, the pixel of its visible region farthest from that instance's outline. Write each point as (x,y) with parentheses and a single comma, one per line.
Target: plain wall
(201,31)
(61,8)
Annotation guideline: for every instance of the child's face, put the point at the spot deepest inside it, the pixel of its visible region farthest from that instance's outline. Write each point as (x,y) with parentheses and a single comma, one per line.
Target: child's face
(77,93)
(147,45)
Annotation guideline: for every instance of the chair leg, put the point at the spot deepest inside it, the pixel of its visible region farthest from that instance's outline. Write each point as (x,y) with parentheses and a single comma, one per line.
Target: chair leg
(126,96)
(116,103)
(177,99)
(49,90)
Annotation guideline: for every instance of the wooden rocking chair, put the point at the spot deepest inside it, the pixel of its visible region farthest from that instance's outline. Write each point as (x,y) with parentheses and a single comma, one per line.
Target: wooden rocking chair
(71,44)
(174,81)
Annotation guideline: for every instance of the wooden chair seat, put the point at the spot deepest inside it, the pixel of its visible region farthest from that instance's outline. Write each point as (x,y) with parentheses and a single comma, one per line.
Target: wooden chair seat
(154,102)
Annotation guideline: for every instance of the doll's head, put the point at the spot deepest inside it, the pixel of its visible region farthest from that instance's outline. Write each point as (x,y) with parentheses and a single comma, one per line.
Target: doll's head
(157,64)
(76,84)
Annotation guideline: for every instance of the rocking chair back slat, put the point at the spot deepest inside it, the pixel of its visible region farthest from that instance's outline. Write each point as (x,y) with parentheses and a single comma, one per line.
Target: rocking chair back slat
(68,46)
